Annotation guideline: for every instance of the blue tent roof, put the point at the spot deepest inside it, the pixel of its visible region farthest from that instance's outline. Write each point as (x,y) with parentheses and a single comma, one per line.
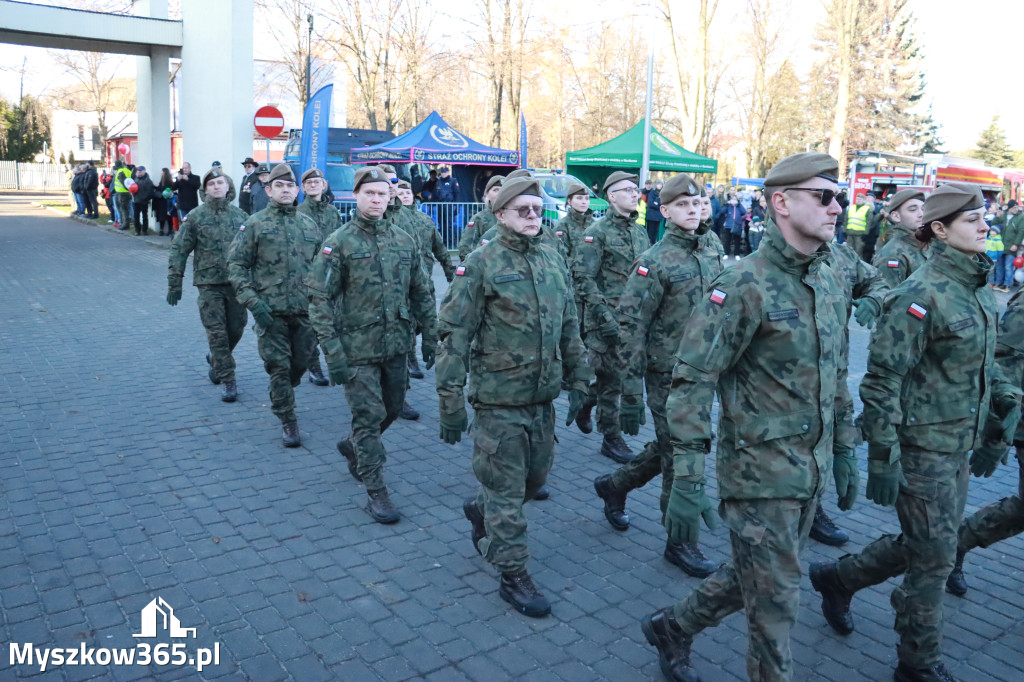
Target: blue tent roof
(434,141)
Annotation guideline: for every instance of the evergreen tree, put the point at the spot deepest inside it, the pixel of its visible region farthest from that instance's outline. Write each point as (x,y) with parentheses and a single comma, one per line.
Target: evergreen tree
(992,146)
(24,129)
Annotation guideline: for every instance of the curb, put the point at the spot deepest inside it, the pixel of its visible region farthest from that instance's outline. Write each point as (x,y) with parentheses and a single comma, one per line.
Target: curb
(155,241)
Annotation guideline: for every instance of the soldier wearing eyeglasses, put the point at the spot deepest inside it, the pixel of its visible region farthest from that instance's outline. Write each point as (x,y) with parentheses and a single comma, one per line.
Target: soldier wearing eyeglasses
(600,270)
(510,321)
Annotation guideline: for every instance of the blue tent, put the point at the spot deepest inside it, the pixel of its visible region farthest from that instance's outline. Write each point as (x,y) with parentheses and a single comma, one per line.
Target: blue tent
(434,141)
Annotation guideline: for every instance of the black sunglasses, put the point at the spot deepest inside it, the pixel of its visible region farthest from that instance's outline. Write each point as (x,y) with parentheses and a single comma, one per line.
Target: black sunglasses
(826,195)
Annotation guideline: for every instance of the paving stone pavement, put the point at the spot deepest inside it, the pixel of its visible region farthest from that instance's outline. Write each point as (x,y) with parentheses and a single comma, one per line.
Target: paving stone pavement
(125,478)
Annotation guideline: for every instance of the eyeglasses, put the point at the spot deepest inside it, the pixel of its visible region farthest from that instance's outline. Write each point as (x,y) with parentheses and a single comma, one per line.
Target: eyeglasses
(631,190)
(527,211)
(825,195)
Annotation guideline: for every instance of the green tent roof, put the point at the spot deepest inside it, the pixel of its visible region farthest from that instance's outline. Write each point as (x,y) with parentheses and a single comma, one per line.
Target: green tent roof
(626,151)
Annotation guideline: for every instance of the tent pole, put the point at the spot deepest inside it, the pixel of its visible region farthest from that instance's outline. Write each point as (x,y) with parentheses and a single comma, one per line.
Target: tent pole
(645,168)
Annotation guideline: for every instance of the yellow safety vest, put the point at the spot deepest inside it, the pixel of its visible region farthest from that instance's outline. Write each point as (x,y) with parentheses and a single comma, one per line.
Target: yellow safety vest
(857,219)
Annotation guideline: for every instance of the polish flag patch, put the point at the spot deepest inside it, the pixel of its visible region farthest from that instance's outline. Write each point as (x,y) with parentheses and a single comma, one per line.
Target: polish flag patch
(918,311)
(460,271)
(588,239)
(328,250)
(484,241)
(241,228)
(470,223)
(718,296)
(559,233)
(892,263)
(642,271)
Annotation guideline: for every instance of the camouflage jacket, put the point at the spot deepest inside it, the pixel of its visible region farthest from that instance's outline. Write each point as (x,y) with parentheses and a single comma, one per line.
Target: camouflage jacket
(396,215)
(509,320)
(602,265)
(366,287)
(669,280)
(325,216)
(481,221)
(207,231)
(547,237)
(858,279)
(431,245)
(931,362)
(269,258)
(901,255)
(768,338)
(1010,349)
(572,226)
(712,239)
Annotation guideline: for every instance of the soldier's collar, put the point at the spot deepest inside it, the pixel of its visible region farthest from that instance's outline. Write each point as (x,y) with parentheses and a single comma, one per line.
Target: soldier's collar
(779,251)
(516,241)
(368,224)
(621,220)
(286,209)
(673,231)
(971,270)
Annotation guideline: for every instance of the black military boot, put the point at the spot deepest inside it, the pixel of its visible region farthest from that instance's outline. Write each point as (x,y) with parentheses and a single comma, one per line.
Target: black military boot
(583,420)
(345,448)
(542,494)
(476,517)
(291,438)
(414,367)
(687,556)
(615,449)
(214,379)
(835,598)
(825,531)
(316,376)
(956,583)
(936,673)
(408,412)
(378,505)
(673,645)
(614,502)
(230,393)
(519,591)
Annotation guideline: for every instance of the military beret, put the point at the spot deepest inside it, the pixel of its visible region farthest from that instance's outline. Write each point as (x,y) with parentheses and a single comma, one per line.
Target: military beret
(369,174)
(576,188)
(282,171)
(403,184)
(951,198)
(312,173)
(386,167)
(795,169)
(214,173)
(495,180)
(511,190)
(519,173)
(678,185)
(902,197)
(619,176)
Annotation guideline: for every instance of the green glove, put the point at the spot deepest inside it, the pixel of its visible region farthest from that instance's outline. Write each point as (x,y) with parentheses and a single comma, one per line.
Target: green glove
(337,363)
(687,505)
(867,312)
(173,296)
(1008,408)
(609,329)
(844,471)
(428,347)
(453,424)
(985,459)
(576,398)
(632,414)
(262,314)
(884,481)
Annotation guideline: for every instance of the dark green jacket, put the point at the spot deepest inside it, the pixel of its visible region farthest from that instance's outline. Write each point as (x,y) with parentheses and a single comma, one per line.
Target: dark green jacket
(325,216)
(208,232)
(572,226)
(430,243)
(1012,230)
(481,221)
(1010,350)
(901,255)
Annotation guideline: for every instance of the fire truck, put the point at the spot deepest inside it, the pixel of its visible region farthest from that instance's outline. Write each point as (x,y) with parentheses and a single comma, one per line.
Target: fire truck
(885,173)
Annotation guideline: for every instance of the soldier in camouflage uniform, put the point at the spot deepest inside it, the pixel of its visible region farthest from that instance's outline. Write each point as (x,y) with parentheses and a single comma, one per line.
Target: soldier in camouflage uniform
(706,222)
(208,231)
(602,265)
(666,282)
(769,338)
(482,220)
(931,379)
(327,220)
(902,253)
(578,217)
(509,320)
(367,290)
(267,263)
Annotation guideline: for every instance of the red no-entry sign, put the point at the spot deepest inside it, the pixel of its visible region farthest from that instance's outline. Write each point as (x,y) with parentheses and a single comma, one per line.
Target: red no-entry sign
(269,121)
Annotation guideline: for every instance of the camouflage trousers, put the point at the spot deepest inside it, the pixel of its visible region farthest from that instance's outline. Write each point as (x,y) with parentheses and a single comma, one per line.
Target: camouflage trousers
(513,448)
(124,207)
(285,348)
(999,521)
(604,359)
(929,507)
(763,579)
(656,457)
(375,394)
(856,242)
(224,319)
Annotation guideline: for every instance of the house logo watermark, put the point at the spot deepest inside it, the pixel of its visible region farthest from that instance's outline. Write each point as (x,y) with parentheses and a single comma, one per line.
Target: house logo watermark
(159,613)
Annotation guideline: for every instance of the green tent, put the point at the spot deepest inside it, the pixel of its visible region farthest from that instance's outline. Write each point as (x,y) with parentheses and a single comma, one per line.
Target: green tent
(626,152)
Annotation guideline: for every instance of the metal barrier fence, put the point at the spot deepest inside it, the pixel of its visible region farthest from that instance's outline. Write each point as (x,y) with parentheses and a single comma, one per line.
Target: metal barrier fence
(450,218)
(40,176)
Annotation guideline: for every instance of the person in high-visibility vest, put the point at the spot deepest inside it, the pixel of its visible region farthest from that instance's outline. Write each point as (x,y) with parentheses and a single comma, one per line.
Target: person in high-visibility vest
(858,220)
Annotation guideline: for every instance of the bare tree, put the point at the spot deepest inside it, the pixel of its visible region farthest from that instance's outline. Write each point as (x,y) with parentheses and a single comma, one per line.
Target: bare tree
(97,75)
(843,31)
(288,23)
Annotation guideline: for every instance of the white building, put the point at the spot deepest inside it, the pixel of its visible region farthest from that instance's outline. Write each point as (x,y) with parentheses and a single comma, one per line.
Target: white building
(78,132)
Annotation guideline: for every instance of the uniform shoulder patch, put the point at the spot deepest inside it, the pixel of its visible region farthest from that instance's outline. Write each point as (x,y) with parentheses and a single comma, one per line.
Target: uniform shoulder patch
(484,241)
(460,271)
(559,233)
(718,296)
(917,310)
(588,239)
(328,250)
(471,223)
(892,263)
(241,228)
(642,270)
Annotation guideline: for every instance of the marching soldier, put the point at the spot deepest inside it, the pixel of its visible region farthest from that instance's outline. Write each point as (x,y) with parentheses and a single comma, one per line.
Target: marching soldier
(902,253)
(578,217)
(482,220)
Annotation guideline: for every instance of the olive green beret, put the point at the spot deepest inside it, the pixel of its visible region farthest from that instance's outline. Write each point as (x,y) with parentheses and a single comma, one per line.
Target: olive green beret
(386,167)
(214,173)
(403,184)
(619,176)
(495,180)
(703,192)
(951,198)
(282,170)
(677,186)
(794,169)
(902,197)
(369,174)
(519,173)
(576,188)
(312,173)
(514,188)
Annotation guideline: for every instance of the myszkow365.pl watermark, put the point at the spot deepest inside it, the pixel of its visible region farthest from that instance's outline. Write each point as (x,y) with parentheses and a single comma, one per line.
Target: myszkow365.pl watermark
(156,616)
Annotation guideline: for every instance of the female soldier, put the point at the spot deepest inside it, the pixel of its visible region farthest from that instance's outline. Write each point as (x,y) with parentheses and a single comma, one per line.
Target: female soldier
(931,378)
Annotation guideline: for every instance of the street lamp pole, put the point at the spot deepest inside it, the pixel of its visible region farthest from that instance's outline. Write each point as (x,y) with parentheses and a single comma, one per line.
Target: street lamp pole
(309,53)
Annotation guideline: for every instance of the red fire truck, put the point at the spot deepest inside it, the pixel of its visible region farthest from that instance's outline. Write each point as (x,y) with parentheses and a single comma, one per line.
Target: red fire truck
(886,173)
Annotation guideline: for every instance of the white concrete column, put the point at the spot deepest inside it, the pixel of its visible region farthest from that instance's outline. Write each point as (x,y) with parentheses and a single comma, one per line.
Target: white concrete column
(152,98)
(216,74)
